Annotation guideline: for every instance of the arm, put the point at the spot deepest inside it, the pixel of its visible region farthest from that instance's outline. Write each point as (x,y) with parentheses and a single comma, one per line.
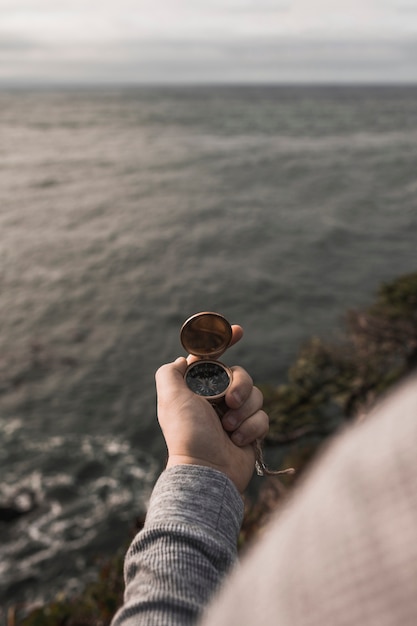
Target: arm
(189,539)
(187,545)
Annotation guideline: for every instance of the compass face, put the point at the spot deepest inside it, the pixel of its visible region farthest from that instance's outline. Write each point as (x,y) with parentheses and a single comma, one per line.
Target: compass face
(207,379)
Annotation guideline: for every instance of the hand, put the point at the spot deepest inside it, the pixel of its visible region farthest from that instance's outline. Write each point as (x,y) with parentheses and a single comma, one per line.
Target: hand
(193,432)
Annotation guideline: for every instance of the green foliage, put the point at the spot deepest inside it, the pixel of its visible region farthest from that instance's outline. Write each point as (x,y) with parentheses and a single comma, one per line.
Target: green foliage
(398,299)
(315,396)
(386,333)
(330,383)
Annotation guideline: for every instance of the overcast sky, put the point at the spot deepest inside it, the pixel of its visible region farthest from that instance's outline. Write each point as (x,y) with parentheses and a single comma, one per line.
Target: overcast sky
(152,41)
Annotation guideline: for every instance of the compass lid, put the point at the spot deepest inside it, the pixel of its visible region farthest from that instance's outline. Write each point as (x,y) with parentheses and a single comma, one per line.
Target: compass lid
(206,334)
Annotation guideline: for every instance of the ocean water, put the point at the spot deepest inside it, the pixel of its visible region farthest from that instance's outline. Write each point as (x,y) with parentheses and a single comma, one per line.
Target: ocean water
(124,211)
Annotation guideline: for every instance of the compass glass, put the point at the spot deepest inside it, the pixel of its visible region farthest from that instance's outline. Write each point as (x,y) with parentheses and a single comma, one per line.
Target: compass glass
(207,379)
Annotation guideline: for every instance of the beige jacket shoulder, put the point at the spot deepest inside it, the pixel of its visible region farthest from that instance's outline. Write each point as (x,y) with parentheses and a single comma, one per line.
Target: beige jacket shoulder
(344,551)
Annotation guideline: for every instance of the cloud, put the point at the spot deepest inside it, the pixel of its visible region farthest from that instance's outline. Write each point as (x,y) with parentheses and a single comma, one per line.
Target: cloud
(229,6)
(260,60)
(16,44)
(95,19)
(182,20)
(402,5)
(186,40)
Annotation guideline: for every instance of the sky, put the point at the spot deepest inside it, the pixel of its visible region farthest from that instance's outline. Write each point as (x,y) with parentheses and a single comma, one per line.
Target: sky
(205,41)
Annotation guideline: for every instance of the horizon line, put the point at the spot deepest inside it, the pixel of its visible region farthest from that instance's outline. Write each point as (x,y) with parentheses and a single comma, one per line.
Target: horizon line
(203,84)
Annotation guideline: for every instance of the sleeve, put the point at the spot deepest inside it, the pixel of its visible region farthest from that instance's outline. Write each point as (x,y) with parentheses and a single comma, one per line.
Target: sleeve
(187,545)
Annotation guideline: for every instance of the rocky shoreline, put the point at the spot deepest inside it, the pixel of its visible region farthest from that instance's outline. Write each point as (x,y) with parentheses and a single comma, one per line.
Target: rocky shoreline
(331,382)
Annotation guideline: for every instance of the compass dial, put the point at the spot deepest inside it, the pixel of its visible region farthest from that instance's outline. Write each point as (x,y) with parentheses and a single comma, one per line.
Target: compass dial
(207,378)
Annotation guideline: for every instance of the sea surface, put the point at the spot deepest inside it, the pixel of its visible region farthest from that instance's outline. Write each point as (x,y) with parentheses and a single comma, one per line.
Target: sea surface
(124,211)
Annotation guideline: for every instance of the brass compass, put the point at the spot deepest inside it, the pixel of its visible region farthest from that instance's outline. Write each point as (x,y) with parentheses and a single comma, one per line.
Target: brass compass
(207,335)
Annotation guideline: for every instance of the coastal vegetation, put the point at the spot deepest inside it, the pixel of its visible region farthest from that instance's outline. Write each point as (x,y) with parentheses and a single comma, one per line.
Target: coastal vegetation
(330,383)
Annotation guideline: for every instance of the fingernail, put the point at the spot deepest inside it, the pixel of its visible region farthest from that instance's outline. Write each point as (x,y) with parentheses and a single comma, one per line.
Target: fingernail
(230,421)
(237,398)
(237,438)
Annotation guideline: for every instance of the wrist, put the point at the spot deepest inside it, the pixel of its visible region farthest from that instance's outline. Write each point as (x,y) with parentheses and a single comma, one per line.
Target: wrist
(183,459)
(236,473)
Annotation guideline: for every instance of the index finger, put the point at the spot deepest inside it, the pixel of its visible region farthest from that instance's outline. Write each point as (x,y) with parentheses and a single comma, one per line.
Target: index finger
(237,334)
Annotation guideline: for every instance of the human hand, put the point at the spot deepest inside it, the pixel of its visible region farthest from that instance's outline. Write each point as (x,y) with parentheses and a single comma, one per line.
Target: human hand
(193,432)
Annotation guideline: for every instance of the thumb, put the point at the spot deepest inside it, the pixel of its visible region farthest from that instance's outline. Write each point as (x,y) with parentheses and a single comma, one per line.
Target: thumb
(170,378)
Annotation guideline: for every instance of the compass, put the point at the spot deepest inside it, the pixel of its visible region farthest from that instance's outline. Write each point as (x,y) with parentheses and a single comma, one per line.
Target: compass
(207,335)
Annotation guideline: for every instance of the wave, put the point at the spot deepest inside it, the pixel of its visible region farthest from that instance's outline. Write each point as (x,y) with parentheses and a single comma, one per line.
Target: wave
(85,488)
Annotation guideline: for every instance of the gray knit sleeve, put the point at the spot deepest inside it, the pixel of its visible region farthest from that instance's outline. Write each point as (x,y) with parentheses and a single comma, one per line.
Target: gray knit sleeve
(187,545)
